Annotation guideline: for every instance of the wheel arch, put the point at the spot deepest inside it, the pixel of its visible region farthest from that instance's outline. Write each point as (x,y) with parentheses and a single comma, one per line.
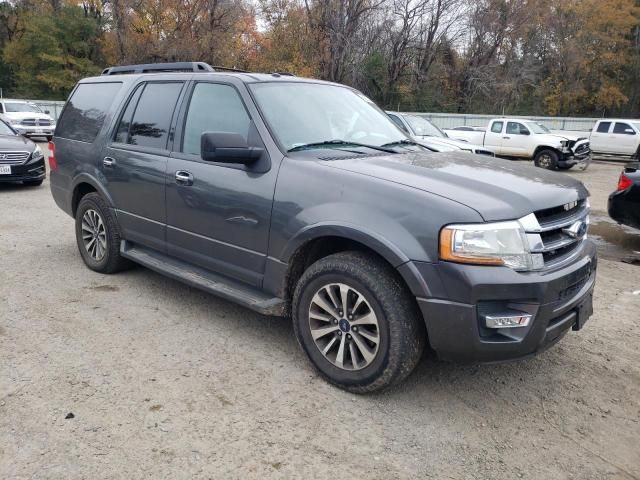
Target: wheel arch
(321,241)
(83,184)
(540,148)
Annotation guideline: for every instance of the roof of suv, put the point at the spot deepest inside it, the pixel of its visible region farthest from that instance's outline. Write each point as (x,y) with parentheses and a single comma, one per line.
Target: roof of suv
(200,68)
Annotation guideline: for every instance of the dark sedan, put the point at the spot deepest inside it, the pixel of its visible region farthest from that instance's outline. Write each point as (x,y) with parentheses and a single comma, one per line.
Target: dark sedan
(624,203)
(21,160)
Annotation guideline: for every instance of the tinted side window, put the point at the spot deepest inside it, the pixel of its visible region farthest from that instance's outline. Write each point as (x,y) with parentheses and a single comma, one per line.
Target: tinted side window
(214,108)
(623,128)
(496,127)
(84,114)
(603,127)
(152,118)
(122,133)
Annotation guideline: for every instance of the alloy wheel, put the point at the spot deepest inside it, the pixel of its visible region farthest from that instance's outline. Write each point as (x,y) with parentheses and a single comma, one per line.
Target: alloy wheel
(94,234)
(344,327)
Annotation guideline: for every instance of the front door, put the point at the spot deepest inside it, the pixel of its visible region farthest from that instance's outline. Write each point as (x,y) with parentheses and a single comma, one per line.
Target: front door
(218,214)
(625,139)
(515,140)
(600,141)
(135,162)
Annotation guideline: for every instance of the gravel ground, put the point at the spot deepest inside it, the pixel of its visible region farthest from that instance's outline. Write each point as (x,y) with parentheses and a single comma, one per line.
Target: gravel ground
(163,381)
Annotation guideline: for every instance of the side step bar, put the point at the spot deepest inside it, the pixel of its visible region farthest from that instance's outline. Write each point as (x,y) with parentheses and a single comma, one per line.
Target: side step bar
(204,280)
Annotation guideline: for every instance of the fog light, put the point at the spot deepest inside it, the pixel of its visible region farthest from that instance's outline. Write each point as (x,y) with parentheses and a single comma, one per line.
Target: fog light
(507,321)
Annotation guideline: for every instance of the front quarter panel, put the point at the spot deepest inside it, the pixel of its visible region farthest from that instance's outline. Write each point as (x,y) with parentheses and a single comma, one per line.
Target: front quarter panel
(398,222)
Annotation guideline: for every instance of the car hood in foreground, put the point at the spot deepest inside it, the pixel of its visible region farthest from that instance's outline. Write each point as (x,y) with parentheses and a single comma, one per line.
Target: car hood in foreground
(16,142)
(497,189)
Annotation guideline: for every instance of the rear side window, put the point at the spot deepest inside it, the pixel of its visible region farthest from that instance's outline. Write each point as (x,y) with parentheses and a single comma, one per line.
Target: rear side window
(623,128)
(84,114)
(496,127)
(214,108)
(152,113)
(603,127)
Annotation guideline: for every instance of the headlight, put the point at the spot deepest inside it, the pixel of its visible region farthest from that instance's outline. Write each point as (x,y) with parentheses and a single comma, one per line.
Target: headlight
(15,122)
(502,243)
(37,152)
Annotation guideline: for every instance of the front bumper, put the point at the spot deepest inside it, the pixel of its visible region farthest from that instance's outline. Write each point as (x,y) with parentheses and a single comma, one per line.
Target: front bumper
(30,171)
(462,294)
(35,131)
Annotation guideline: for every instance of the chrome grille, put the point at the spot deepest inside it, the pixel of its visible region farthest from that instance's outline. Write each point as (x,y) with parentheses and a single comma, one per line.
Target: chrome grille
(556,233)
(36,122)
(13,158)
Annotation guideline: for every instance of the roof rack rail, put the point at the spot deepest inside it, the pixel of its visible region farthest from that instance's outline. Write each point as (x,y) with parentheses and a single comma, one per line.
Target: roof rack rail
(167,67)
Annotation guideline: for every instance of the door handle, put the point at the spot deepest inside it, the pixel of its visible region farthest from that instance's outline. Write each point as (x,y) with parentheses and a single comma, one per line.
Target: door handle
(109,162)
(506,138)
(184,178)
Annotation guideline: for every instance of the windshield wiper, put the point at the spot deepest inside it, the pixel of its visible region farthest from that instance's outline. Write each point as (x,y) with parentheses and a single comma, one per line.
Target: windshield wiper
(339,143)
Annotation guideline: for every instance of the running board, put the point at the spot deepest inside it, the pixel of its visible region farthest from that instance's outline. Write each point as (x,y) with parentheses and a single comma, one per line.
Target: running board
(204,280)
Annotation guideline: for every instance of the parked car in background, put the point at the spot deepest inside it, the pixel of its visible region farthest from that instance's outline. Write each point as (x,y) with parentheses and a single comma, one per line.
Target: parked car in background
(518,138)
(27,118)
(424,132)
(21,160)
(299,197)
(616,137)
(624,203)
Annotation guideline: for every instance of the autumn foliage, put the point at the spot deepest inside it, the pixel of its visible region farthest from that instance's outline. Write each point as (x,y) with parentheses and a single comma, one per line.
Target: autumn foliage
(558,57)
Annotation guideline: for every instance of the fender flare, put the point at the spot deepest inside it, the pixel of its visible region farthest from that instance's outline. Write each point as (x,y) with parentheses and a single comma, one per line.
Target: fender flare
(382,246)
(91,180)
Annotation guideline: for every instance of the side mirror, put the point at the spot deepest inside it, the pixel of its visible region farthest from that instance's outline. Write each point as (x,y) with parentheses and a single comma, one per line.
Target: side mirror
(225,147)
(525,132)
(47,112)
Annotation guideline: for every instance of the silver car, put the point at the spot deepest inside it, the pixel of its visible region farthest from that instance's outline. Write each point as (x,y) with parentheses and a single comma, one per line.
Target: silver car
(27,118)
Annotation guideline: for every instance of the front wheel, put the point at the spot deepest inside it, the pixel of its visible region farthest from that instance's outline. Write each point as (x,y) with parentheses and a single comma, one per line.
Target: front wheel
(546,159)
(357,322)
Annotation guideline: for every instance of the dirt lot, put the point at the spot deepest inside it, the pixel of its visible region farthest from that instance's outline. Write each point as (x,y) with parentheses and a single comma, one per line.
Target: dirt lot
(164,381)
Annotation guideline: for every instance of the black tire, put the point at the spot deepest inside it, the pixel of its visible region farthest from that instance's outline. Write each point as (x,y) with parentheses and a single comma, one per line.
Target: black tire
(565,167)
(111,261)
(32,183)
(402,333)
(546,159)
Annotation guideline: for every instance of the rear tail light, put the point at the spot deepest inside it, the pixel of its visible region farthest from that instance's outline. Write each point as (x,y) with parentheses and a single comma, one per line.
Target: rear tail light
(53,163)
(624,182)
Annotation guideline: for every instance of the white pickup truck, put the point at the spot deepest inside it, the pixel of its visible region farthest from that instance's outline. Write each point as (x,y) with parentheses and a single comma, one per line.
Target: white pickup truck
(617,137)
(520,138)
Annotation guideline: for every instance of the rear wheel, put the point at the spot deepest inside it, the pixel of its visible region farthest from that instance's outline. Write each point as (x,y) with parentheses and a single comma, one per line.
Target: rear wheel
(98,236)
(546,159)
(357,323)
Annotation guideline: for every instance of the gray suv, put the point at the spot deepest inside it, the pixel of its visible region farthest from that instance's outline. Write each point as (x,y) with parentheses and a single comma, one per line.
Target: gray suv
(299,197)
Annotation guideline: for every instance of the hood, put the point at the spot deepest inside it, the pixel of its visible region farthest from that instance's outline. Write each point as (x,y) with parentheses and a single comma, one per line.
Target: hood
(22,115)
(559,137)
(497,189)
(438,143)
(16,142)
(451,142)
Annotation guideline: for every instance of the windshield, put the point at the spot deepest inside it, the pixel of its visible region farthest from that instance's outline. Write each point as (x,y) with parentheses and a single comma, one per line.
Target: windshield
(423,127)
(536,127)
(311,113)
(11,107)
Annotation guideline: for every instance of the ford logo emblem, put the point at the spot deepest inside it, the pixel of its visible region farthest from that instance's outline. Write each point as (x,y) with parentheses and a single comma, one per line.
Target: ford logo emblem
(577,229)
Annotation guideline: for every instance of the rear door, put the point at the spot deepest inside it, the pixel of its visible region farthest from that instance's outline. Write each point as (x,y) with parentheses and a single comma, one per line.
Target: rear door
(135,161)
(599,140)
(625,138)
(493,136)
